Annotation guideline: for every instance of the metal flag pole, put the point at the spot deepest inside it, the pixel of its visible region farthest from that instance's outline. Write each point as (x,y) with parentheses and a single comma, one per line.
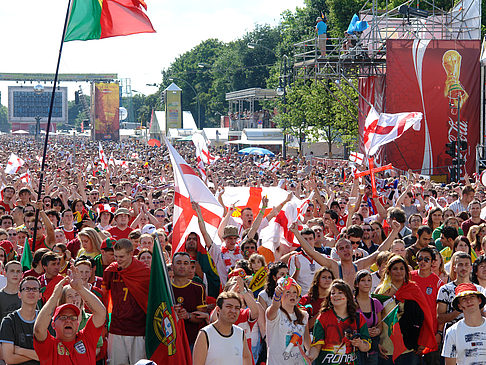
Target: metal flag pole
(48,128)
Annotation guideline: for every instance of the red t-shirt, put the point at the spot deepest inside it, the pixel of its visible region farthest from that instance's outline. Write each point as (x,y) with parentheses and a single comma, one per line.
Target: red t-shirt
(117,233)
(316,304)
(430,287)
(70,235)
(40,242)
(127,318)
(80,351)
(6,206)
(31,272)
(190,296)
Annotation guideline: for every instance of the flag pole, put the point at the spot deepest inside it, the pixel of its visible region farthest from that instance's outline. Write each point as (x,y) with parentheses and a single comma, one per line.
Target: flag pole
(41,175)
(164,266)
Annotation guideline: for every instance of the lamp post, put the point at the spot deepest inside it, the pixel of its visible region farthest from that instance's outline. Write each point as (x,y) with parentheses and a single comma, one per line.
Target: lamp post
(281,90)
(197,100)
(38,90)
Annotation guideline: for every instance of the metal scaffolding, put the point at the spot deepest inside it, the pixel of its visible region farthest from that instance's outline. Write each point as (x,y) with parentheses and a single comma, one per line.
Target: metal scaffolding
(364,54)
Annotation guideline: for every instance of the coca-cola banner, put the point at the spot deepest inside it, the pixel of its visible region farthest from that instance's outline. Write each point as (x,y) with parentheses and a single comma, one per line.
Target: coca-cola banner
(439,78)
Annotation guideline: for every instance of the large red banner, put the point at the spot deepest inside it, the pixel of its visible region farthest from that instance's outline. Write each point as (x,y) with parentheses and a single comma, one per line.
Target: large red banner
(428,76)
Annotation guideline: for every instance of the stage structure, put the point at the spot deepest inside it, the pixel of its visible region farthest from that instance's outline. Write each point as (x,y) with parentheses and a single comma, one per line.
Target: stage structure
(405,60)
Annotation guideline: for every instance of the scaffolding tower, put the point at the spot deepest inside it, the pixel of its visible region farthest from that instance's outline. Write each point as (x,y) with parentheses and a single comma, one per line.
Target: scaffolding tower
(363,55)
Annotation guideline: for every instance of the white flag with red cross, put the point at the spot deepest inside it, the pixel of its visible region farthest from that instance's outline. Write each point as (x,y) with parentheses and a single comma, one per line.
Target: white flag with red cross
(242,197)
(25,177)
(202,150)
(102,157)
(14,163)
(356,157)
(278,232)
(189,187)
(381,129)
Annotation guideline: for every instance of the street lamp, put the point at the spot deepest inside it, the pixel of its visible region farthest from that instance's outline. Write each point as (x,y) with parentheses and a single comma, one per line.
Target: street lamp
(281,89)
(197,99)
(38,90)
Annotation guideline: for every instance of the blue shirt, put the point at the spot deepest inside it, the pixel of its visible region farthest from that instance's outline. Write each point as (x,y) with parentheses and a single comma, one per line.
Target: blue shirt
(321,28)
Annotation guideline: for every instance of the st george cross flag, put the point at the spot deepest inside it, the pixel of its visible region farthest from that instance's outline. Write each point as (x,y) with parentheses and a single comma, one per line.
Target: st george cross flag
(189,187)
(381,129)
(356,157)
(243,197)
(102,156)
(202,149)
(14,164)
(25,177)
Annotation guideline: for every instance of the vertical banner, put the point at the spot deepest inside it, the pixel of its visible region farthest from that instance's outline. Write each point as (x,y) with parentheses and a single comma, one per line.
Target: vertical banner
(427,76)
(106,111)
(173,117)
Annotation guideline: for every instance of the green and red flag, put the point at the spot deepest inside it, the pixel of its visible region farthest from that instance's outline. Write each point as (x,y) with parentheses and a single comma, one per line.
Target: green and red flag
(97,19)
(26,260)
(165,336)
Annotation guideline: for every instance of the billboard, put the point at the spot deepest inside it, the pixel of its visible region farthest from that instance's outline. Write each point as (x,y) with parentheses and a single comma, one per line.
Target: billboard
(173,107)
(25,105)
(427,76)
(105,104)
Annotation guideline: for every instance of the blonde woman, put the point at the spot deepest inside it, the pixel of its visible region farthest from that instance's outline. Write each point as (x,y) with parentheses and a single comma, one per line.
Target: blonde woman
(90,242)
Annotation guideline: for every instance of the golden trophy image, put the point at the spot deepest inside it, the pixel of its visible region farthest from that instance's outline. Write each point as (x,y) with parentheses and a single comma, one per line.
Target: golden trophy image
(451,61)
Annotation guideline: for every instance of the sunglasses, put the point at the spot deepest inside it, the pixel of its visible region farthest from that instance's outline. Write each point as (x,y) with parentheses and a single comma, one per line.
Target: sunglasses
(425,259)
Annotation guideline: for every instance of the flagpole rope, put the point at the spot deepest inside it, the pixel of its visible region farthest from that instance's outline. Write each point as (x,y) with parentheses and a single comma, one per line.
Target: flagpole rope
(48,128)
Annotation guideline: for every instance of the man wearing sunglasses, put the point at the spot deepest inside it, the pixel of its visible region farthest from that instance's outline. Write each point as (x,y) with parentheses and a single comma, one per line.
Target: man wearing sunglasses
(429,283)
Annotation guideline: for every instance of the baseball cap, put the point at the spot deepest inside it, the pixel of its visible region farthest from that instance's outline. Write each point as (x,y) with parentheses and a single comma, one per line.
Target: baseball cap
(108,243)
(65,306)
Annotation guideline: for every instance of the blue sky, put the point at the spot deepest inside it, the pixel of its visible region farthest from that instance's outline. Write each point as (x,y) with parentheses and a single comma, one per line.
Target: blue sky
(31,31)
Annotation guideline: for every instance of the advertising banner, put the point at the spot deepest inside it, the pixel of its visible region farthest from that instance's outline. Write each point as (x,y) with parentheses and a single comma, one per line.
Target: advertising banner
(106,111)
(441,79)
(174,109)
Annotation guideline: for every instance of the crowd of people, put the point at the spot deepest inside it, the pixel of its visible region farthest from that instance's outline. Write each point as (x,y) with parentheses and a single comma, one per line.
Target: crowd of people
(394,275)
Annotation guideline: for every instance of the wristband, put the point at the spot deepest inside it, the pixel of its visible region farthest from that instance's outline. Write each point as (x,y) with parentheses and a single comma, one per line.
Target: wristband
(276,299)
(297,268)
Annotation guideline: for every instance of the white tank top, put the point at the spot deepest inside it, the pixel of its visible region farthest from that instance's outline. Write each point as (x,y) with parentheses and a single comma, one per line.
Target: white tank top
(224,350)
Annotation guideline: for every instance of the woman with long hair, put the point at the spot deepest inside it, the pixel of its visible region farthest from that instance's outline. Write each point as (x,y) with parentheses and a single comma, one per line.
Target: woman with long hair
(438,267)
(284,319)
(415,318)
(434,218)
(472,236)
(277,270)
(318,291)
(371,309)
(461,243)
(340,331)
(378,234)
(90,242)
(478,275)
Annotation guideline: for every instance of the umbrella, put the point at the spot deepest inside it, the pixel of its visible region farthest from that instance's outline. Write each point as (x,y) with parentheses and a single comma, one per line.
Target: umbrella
(153,142)
(20,131)
(255,151)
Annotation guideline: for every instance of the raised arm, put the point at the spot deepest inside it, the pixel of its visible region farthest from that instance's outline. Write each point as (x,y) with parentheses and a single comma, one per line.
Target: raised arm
(98,310)
(320,259)
(202,226)
(278,208)
(44,317)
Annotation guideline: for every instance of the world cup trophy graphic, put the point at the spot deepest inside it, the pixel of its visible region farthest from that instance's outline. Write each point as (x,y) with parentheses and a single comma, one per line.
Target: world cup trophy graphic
(451,61)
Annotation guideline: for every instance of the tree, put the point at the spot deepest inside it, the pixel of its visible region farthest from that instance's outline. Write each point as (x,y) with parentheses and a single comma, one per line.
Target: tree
(4,124)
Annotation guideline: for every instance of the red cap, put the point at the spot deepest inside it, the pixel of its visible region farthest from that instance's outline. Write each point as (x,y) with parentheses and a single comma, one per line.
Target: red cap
(7,246)
(65,306)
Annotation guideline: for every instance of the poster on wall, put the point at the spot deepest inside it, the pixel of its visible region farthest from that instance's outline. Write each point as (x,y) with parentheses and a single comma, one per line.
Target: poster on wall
(441,79)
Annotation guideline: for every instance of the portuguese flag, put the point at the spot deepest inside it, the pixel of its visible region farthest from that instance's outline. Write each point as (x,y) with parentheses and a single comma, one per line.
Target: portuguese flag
(96,19)
(165,335)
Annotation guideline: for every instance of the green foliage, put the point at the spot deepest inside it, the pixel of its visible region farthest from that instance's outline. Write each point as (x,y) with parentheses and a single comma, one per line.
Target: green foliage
(4,124)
